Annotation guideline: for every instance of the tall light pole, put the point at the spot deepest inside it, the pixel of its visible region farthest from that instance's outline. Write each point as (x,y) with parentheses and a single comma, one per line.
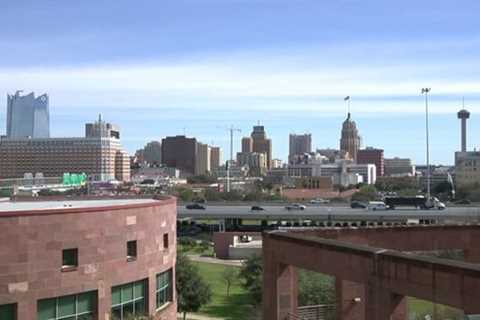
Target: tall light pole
(426,91)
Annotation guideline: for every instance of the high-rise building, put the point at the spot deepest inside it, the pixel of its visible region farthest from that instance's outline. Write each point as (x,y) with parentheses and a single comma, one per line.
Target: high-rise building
(261,144)
(102,129)
(101,157)
(180,152)
(27,116)
(374,156)
(350,139)
(256,162)
(203,161)
(150,154)
(215,158)
(247,144)
(399,167)
(300,144)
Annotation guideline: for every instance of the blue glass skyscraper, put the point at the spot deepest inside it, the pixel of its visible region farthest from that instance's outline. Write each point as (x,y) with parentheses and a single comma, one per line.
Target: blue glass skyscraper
(27,116)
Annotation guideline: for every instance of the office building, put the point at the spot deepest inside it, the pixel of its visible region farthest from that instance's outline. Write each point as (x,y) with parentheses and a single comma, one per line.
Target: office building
(299,144)
(203,161)
(276,163)
(100,156)
(151,154)
(92,259)
(373,156)
(398,167)
(467,168)
(350,140)
(102,129)
(180,152)
(247,144)
(261,144)
(215,158)
(342,172)
(256,162)
(28,116)
(333,155)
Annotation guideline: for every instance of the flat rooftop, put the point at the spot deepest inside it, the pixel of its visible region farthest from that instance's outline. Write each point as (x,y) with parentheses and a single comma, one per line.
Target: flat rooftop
(9,206)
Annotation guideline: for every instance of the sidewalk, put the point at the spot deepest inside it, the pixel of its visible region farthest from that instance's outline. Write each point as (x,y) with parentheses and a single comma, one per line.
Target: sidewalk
(198,258)
(193,316)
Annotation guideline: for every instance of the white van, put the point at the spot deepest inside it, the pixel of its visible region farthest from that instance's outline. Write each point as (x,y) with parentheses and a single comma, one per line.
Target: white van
(376,205)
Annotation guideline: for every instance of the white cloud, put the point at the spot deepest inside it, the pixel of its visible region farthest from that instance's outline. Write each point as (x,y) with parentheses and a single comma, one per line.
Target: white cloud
(276,82)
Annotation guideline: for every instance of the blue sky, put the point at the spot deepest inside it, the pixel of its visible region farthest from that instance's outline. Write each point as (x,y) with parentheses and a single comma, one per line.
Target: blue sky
(157,67)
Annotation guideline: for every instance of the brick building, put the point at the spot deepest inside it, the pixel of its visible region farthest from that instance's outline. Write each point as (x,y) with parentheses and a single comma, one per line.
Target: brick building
(99,154)
(180,152)
(372,156)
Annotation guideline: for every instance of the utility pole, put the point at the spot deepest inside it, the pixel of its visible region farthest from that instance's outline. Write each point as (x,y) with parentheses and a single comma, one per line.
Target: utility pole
(425,91)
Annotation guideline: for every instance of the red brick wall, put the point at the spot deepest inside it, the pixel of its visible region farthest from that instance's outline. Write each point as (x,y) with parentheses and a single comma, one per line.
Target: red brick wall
(31,253)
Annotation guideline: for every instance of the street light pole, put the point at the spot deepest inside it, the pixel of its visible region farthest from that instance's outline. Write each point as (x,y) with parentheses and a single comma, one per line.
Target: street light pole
(425,91)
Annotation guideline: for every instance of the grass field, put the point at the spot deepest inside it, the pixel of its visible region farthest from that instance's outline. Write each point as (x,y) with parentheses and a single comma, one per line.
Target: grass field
(234,307)
(419,308)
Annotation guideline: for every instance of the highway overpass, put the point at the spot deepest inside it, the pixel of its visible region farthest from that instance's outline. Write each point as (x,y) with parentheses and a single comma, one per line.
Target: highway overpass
(331,213)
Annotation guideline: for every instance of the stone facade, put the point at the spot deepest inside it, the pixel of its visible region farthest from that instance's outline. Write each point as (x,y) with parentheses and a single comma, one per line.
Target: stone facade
(373,275)
(32,244)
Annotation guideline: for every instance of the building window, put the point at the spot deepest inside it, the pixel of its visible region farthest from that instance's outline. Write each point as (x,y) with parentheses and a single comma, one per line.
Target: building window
(73,307)
(164,288)
(8,311)
(165,240)
(131,250)
(69,259)
(129,300)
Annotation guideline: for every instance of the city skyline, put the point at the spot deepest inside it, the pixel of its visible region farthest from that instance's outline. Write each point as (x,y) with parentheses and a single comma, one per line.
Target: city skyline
(407,141)
(189,61)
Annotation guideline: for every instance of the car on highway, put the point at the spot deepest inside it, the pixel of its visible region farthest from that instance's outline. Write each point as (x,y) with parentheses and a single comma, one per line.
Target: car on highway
(195,206)
(295,206)
(256,208)
(357,205)
(319,201)
(377,205)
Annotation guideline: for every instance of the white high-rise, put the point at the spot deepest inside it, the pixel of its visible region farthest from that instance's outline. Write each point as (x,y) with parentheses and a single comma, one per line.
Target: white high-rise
(27,116)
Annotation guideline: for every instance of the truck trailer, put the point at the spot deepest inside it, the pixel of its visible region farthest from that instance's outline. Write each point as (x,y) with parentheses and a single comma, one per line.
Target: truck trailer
(418,202)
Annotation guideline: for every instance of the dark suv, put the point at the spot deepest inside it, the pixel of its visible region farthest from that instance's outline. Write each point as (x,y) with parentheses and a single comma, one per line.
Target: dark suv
(357,205)
(195,206)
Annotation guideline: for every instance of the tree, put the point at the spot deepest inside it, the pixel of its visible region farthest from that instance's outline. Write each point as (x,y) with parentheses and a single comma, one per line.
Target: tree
(251,275)
(212,195)
(229,275)
(315,288)
(366,193)
(192,291)
(185,194)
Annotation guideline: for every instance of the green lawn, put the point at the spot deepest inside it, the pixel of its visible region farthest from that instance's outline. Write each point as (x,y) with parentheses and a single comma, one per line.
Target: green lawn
(236,306)
(196,249)
(419,308)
